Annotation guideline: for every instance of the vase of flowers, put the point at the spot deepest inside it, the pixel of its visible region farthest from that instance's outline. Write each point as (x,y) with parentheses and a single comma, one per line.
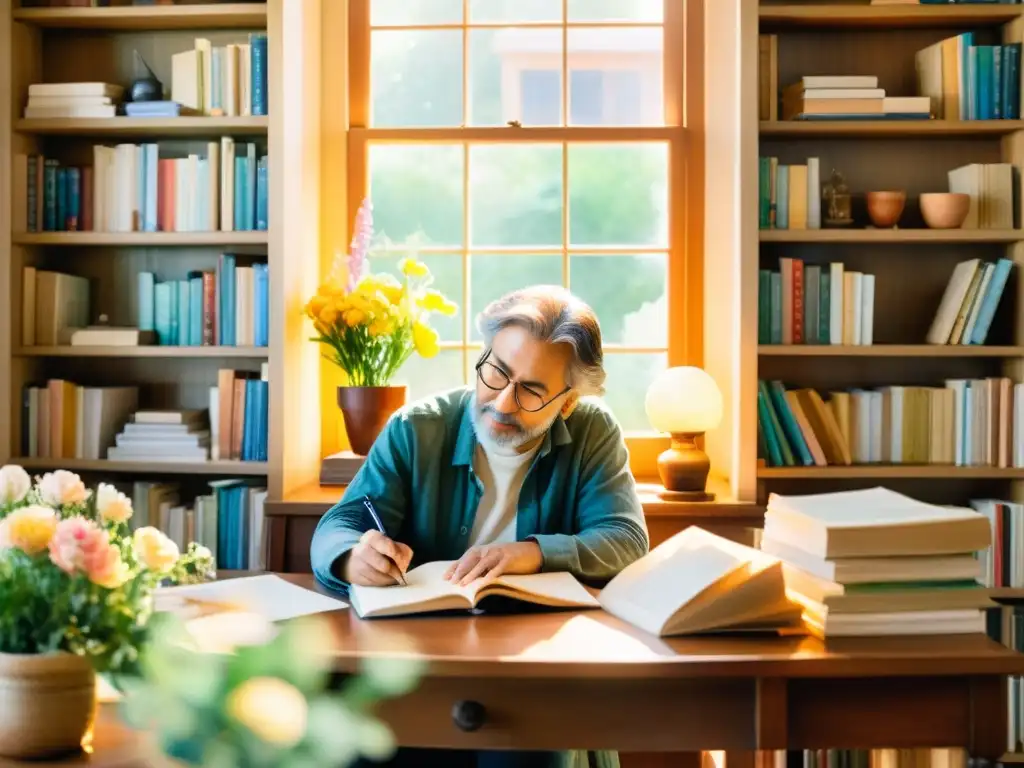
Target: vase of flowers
(76,586)
(371,325)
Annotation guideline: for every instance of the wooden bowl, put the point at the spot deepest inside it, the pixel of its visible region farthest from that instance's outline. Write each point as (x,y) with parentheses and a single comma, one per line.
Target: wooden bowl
(945,210)
(886,207)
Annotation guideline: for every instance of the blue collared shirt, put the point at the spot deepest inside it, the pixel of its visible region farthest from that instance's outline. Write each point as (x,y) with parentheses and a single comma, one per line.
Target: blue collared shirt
(578,501)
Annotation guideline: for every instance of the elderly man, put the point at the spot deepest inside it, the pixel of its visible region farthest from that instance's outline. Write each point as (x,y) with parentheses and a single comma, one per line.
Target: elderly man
(514,474)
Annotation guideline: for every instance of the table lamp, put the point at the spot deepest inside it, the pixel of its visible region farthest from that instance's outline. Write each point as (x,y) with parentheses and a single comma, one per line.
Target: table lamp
(684,402)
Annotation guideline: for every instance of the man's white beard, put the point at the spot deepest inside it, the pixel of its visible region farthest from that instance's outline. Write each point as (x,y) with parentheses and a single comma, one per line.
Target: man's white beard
(504,444)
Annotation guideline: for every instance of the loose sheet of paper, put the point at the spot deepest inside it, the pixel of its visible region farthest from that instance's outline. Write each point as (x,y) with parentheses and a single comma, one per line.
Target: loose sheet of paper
(270,596)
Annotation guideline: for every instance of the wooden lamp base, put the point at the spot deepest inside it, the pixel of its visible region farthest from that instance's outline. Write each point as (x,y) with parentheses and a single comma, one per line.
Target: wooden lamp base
(683,469)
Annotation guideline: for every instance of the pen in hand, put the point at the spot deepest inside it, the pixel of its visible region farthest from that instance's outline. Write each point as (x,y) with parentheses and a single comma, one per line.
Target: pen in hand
(380,527)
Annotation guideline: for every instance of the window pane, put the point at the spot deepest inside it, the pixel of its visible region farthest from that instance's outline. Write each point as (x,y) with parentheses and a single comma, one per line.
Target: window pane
(515,74)
(629,295)
(409,12)
(446,270)
(416,78)
(481,11)
(417,192)
(494,275)
(629,376)
(617,10)
(618,194)
(616,76)
(516,195)
(428,376)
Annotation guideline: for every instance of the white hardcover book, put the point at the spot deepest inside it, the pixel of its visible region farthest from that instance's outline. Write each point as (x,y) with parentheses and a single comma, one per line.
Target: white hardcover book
(867,309)
(1017,434)
(836,303)
(858,310)
(813,193)
(214,406)
(227,184)
(212,213)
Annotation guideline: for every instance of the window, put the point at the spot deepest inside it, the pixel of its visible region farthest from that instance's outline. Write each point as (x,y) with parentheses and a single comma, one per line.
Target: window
(515,142)
(541,94)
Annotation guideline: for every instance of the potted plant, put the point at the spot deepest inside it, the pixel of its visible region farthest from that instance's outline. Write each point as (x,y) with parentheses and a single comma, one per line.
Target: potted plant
(264,700)
(371,324)
(76,586)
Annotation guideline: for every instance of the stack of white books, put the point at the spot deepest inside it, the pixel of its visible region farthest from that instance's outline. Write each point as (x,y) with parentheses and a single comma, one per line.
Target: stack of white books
(877,562)
(182,436)
(82,100)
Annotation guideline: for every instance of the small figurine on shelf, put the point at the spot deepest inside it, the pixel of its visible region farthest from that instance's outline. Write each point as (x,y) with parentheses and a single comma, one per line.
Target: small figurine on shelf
(145,87)
(837,199)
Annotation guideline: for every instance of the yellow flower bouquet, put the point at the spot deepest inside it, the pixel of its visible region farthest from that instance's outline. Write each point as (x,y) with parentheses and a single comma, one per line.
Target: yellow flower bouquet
(372,323)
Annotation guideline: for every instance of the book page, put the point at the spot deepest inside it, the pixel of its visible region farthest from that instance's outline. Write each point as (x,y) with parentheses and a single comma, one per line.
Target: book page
(656,587)
(556,588)
(425,585)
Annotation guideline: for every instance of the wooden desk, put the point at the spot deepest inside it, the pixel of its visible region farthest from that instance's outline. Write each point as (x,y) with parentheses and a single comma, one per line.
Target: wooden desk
(584,679)
(291,521)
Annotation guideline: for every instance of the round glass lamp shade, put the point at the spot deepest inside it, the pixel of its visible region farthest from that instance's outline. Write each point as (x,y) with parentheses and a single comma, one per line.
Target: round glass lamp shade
(684,400)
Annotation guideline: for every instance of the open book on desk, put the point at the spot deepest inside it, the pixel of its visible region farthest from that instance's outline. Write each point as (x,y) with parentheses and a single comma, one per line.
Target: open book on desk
(427,591)
(699,582)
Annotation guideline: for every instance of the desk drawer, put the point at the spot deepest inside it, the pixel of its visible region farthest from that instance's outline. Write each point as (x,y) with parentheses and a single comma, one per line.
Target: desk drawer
(669,715)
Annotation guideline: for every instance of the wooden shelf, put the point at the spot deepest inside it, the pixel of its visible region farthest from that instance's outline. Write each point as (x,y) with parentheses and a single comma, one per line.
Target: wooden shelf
(885,129)
(249,468)
(888,350)
(158,127)
(1007,595)
(156,351)
(149,17)
(889,471)
(1012,757)
(861,235)
(888,17)
(141,239)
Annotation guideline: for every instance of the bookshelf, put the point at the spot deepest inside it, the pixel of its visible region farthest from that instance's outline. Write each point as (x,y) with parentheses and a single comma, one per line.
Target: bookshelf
(911,264)
(80,44)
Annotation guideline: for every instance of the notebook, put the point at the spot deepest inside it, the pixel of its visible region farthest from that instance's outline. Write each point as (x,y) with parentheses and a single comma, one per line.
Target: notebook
(698,582)
(428,591)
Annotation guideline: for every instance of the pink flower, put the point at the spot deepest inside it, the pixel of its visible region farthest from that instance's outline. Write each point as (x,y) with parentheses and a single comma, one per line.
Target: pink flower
(80,546)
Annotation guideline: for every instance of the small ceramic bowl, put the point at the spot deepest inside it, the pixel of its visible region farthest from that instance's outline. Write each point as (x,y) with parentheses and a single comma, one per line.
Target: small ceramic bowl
(886,207)
(945,210)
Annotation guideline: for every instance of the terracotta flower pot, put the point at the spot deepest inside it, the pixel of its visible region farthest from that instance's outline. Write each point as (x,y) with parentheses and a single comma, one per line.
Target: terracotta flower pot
(366,410)
(885,208)
(47,704)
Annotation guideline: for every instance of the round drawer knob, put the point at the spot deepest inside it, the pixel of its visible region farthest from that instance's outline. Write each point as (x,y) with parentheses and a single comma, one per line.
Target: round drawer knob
(469,715)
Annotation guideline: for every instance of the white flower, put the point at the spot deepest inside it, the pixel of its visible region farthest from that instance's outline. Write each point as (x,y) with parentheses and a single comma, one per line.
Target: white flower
(112,505)
(62,488)
(14,483)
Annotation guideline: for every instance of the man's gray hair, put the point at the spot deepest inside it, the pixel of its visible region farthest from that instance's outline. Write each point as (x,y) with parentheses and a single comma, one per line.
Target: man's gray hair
(552,314)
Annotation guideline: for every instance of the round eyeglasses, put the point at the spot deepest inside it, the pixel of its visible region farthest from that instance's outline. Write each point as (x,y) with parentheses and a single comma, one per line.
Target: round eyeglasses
(492,377)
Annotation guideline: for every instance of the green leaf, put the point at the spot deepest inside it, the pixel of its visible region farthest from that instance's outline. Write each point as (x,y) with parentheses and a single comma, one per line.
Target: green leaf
(393,676)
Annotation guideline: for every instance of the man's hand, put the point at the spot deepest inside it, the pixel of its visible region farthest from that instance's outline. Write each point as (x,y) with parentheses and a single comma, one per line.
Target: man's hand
(493,560)
(367,564)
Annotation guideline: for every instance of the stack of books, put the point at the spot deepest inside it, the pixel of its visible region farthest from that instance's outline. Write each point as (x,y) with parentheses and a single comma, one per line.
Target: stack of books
(875,562)
(182,435)
(60,100)
(848,97)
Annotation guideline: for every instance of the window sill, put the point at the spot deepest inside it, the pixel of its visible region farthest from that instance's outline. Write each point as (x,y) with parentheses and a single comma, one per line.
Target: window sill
(314,500)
